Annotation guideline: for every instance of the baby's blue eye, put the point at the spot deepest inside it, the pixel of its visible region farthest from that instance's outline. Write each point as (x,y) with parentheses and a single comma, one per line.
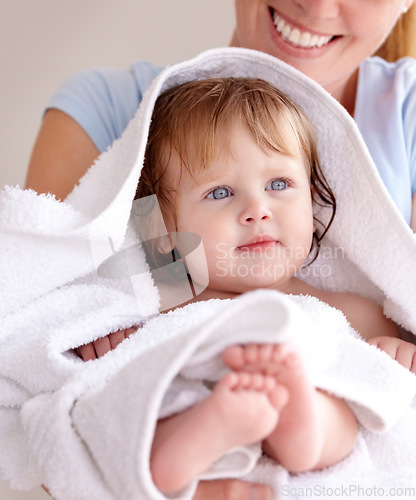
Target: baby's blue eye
(277,185)
(219,193)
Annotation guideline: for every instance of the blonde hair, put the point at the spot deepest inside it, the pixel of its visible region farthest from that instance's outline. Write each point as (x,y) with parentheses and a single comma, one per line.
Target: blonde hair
(402,39)
(189,119)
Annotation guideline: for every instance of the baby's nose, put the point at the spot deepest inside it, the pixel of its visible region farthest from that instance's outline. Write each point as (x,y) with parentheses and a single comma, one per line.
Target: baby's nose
(255,211)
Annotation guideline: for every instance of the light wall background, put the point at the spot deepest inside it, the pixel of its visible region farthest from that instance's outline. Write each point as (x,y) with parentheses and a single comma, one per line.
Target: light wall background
(42,42)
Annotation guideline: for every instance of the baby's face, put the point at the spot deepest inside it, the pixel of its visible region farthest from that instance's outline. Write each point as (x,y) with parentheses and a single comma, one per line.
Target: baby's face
(253,211)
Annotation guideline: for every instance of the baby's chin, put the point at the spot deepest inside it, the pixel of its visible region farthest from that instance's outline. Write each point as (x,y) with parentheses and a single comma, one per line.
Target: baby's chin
(245,285)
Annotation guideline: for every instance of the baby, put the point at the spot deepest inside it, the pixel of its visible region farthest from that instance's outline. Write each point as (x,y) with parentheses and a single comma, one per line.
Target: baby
(235,161)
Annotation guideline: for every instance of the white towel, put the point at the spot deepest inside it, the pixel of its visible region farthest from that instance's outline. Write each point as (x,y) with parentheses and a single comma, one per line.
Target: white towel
(103,418)
(84,430)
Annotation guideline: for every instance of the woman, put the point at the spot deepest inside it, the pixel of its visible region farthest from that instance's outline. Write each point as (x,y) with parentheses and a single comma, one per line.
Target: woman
(328,40)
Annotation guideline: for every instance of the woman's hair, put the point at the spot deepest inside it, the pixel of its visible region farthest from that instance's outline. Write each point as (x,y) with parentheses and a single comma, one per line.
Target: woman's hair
(402,40)
(189,119)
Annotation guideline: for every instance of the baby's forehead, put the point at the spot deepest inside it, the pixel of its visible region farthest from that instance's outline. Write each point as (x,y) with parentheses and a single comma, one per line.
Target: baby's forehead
(206,159)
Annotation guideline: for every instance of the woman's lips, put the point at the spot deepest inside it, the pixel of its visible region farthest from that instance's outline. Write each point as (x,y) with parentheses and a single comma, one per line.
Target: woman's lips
(297,36)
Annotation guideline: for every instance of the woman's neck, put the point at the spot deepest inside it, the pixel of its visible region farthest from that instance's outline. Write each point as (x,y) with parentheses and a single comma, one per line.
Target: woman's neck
(346,93)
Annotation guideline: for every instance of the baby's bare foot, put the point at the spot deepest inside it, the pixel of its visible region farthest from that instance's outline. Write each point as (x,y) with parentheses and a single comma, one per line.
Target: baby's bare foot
(238,412)
(297,440)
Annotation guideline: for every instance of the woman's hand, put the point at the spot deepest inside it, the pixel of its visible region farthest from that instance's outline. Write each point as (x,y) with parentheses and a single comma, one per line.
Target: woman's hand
(232,489)
(99,347)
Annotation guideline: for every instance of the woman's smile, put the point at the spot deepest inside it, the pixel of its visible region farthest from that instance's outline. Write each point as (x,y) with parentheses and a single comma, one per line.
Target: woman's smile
(324,39)
(298,36)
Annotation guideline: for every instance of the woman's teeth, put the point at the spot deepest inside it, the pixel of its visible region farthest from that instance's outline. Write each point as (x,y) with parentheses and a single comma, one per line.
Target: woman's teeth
(295,37)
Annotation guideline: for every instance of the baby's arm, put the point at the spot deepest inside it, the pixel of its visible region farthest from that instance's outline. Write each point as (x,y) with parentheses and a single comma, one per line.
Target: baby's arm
(400,350)
(369,320)
(364,315)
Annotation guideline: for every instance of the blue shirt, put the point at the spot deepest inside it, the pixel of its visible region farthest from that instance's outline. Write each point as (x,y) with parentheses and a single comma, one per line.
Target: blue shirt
(385,112)
(104,100)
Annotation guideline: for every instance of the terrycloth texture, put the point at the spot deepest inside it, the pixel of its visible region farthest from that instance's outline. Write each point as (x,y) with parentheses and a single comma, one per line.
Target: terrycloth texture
(99,434)
(97,428)
(338,361)
(84,430)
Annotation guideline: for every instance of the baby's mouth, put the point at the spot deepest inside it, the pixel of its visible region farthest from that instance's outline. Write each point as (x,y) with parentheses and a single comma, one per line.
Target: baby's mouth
(258,244)
(296,37)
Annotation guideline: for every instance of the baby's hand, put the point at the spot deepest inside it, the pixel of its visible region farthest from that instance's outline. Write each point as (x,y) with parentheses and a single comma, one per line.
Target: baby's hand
(99,347)
(403,352)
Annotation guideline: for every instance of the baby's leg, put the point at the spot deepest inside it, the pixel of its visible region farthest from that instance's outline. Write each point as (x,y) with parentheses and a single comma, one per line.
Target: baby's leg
(306,422)
(238,412)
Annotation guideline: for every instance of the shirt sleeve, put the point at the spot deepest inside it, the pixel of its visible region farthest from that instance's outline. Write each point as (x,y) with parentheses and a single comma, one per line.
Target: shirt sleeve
(104,100)
(385,113)
(409,122)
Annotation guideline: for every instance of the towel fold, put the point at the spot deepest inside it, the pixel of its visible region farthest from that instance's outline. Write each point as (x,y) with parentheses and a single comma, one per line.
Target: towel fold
(112,420)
